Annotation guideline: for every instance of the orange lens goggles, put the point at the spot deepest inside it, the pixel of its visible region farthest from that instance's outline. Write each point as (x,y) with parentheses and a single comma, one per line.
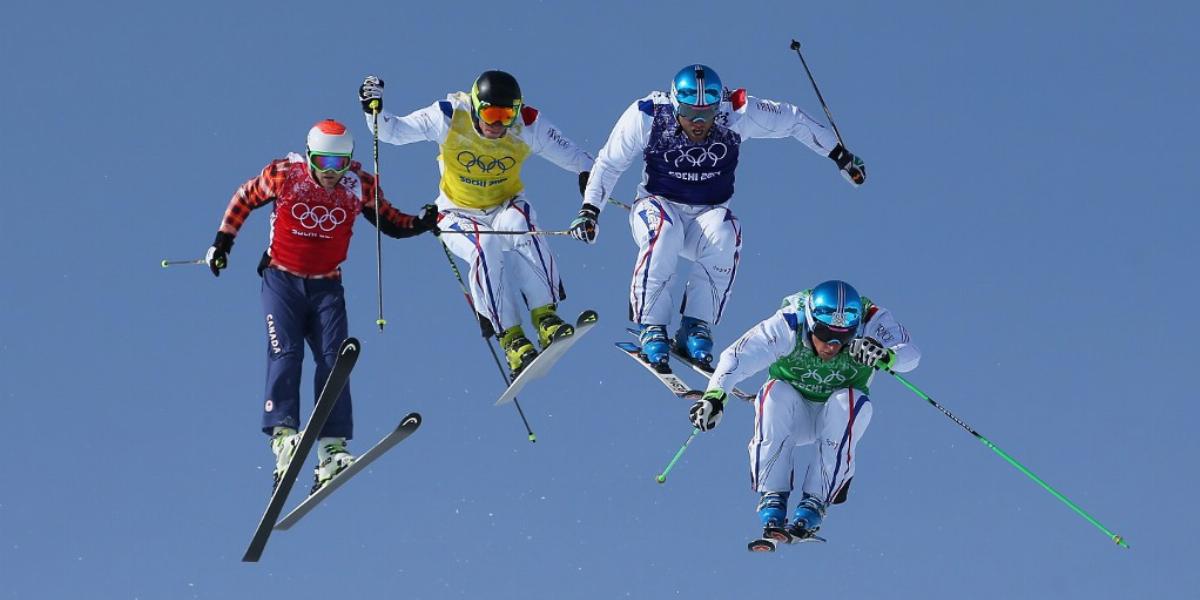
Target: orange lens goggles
(502,115)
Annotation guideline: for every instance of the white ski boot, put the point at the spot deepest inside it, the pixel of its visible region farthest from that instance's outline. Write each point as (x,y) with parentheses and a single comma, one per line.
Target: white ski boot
(332,458)
(283,443)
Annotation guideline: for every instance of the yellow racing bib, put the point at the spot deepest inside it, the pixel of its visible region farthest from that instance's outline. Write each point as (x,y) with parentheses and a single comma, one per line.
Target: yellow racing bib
(478,172)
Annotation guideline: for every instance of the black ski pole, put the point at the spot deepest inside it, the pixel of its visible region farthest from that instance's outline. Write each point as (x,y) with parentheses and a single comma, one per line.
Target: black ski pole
(380,321)
(796,47)
(488,341)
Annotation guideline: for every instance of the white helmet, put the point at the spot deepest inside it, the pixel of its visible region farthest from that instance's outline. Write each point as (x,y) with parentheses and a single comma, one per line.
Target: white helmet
(330,137)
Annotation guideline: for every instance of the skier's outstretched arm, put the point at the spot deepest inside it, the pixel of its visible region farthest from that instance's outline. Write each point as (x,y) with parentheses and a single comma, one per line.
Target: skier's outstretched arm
(548,141)
(884,328)
(429,124)
(765,343)
(395,223)
(626,143)
(257,192)
(762,118)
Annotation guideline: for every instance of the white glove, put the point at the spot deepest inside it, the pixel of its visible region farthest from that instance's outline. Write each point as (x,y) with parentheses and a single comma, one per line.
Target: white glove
(370,93)
(870,352)
(706,412)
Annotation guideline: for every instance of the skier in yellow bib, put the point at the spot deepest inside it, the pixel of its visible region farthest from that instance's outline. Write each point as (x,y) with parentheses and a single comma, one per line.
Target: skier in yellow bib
(485,137)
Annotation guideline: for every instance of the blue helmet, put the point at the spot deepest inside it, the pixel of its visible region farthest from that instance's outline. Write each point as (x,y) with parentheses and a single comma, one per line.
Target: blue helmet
(833,311)
(696,85)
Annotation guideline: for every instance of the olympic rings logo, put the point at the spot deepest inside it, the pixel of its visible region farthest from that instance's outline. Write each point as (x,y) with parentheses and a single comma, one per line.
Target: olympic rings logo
(485,163)
(697,156)
(835,378)
(321,217)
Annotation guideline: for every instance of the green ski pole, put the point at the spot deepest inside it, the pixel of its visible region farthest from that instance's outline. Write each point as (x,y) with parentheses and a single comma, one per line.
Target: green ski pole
(1117,539)
(662,477)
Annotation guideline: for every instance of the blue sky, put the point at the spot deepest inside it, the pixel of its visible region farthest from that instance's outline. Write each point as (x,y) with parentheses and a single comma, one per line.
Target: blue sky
(1026,216)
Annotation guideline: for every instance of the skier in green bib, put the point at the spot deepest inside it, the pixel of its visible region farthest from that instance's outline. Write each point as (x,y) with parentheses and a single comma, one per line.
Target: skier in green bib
(822,348)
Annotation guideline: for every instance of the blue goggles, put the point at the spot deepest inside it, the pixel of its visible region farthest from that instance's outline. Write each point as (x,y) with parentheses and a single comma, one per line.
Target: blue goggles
(697,113)
(833,335)
(329,162)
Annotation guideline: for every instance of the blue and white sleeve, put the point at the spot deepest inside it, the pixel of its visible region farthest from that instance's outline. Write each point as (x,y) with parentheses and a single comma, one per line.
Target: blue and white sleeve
(764,344)
(761,118)
(429,124)
(884,328)
(626,143)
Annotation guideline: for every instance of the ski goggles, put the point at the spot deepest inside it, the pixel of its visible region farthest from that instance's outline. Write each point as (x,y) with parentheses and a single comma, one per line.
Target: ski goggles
(336,163)
(498,115)
(832,335)
(697,113)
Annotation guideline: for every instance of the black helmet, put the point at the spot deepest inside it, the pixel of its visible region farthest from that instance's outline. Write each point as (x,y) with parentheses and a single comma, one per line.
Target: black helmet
(495,88)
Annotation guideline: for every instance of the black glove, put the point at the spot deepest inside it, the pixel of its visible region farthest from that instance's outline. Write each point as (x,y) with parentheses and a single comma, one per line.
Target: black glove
(584,227)
(218,254)
(371,91)
(583,179)
(706,412)
(851,166)
(870,352)
(427,219)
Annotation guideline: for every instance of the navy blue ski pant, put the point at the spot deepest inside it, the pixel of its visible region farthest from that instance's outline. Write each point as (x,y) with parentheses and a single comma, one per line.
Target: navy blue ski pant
(302,310)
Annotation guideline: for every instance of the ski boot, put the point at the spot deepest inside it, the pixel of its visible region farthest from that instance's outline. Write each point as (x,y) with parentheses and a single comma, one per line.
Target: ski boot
(283,443)
(332,458)
(655,347)
(807,518)
(517,349)
(694,340)
(549,326)
(772,510)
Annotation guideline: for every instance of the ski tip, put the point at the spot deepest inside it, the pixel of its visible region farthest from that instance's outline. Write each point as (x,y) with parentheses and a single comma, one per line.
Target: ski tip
(761,545)
(350,345)
(411,420)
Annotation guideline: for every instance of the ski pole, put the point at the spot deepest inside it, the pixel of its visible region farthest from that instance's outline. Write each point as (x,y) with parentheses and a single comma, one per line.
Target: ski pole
(488,341)
(499,232)
(796,47)
(662,477)
(380,321)
(198,261)
(616,202)
(1117,539)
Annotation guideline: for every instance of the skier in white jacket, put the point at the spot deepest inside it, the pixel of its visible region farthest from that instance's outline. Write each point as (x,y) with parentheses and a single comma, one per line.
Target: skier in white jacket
(821,348)
(690,140)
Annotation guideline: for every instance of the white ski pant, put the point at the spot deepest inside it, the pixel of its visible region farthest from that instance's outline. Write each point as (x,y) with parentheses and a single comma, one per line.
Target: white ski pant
(665,231)
(783,419)
(506,271)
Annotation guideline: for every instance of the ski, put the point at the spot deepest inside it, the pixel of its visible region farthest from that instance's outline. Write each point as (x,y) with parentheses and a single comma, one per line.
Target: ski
(544,361)
(701,368)
(671,380)
(338,376)
(772,537)
(407,426)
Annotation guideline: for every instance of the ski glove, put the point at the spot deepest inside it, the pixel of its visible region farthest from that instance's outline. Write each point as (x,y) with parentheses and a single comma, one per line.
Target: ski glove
(371,91)
(427,219)
(706,412)
(218,254)
(583,179)
(851,166)
(870,352)
(584,227)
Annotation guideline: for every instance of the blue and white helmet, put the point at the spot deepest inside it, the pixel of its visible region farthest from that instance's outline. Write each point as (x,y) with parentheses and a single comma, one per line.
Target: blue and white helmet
(696,86)
(833,311)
